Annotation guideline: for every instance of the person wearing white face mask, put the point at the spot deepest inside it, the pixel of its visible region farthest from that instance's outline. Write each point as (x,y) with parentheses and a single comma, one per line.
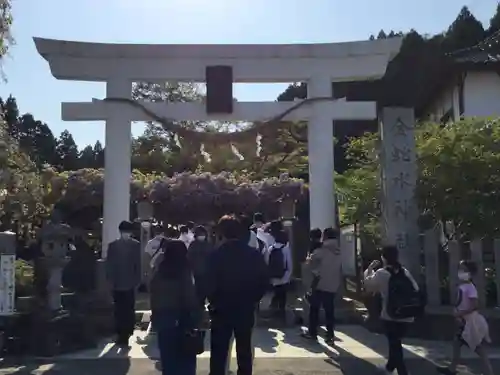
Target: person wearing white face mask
(123,271)
(185,236)
(471,327)
(198,253)
(190,226)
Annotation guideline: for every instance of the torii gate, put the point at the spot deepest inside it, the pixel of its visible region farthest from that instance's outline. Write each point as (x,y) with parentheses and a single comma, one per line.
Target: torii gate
(121,64)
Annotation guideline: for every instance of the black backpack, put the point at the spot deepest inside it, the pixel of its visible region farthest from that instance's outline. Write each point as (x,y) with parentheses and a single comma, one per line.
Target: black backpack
(403,300)
(277,263)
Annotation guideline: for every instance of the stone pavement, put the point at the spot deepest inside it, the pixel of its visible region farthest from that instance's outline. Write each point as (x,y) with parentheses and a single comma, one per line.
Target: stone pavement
(279,352)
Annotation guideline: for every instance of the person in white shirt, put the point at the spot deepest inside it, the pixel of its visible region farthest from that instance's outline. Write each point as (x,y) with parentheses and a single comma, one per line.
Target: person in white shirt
(279,260)
(250,233)
(264,231)
(153,247)
(191,228)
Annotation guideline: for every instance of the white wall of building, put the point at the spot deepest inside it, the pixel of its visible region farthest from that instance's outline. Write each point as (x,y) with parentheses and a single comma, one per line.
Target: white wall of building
(481,97)
(482,94)
(446,100)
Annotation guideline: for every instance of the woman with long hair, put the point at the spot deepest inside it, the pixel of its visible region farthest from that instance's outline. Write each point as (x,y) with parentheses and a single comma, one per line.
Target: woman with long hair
(176,309)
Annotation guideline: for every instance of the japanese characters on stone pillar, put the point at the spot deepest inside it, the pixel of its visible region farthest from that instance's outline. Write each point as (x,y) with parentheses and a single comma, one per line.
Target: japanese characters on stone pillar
(399,177)
(7,273)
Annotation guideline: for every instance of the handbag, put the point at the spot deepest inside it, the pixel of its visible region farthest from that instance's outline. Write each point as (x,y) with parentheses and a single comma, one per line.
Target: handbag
(192,340)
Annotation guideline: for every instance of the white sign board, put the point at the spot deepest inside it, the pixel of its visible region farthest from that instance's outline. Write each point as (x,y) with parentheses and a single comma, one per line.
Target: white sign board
(7,284)
(348,250)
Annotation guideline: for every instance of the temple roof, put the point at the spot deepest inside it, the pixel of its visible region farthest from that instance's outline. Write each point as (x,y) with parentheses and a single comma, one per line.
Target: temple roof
(485,52)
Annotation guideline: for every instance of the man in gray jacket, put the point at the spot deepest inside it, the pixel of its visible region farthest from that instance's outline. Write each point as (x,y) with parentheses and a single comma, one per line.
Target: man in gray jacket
(123,270)
(326,268)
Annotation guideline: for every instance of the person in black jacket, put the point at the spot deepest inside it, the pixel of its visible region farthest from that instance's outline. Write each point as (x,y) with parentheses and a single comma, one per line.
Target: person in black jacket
(315,240)
(198,254)
(237,279)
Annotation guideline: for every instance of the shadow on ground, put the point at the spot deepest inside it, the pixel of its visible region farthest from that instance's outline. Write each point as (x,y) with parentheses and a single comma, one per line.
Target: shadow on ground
(343,365)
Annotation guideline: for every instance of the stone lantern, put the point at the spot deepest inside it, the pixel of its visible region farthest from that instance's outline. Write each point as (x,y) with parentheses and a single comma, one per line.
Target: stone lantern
(144,210)
(287,212)
(55,240)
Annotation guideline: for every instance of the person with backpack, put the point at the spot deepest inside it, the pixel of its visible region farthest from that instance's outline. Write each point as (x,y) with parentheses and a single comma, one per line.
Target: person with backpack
(279,262)
(325,265)
(176,309)
(401,303)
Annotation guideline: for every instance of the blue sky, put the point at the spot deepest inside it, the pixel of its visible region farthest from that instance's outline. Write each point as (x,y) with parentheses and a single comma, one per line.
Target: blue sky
(196,21)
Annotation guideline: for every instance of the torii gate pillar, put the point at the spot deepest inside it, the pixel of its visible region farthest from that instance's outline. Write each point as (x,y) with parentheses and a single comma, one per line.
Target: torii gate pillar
(320,153)
(117,164)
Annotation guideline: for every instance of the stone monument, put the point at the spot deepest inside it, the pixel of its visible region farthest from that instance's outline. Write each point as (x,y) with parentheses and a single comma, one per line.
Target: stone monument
(7,273)
(399,180)
(7,283)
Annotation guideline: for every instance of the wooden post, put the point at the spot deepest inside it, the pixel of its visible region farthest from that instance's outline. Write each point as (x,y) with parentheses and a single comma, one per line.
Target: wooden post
(432,282)
(454,255)
(476,250)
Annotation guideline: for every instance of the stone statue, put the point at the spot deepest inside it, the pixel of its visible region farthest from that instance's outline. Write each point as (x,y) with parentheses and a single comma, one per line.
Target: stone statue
(54,242)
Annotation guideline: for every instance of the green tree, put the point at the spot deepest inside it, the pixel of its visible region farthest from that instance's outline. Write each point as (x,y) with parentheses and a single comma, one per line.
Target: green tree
(465,31)
(87,157)
(20,186)
(34,137)
(494,22)
(6,39)
(99,155)
(156,149)
(10,113)
(67,151)
(38,141)
(458,177)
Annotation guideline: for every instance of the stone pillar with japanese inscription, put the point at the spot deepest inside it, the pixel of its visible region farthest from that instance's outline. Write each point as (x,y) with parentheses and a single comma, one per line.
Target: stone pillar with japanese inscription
(398,180)
(7,273)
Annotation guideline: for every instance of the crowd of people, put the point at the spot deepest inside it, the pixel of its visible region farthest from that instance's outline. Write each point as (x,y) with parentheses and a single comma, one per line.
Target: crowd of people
(202,280)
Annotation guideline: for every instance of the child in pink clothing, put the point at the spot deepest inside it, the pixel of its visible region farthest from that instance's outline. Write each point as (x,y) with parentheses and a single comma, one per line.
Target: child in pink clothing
(472,328)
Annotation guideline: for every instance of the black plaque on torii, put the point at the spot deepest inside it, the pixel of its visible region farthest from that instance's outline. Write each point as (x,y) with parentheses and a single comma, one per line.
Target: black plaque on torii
(219,80)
